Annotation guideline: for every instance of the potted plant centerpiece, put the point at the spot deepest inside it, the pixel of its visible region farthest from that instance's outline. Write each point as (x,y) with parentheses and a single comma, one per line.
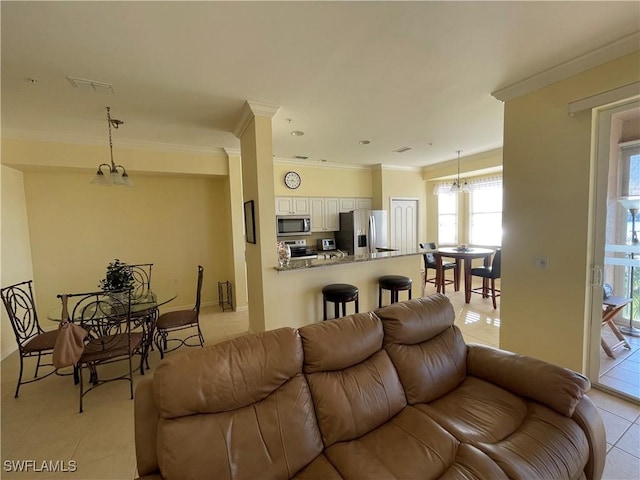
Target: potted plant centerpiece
(119,275)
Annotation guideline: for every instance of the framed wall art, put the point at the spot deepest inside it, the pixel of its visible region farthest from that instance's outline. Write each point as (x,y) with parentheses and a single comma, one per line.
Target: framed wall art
(249,222)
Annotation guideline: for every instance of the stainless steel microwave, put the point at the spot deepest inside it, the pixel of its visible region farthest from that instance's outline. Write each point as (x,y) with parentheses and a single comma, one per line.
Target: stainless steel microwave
(290,225)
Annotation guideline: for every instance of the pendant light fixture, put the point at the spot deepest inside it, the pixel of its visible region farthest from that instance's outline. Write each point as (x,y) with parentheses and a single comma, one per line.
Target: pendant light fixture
(115,176)
(458,187)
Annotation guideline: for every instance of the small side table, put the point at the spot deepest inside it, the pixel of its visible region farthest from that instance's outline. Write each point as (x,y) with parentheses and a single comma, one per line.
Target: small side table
(611,306)
(225,296)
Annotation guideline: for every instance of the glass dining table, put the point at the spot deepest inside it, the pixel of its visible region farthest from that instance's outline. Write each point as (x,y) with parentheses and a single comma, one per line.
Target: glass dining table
(141,302)
(465,255)
(144,313)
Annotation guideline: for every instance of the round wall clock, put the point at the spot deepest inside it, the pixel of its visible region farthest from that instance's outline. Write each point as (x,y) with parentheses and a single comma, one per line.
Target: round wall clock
(292,179)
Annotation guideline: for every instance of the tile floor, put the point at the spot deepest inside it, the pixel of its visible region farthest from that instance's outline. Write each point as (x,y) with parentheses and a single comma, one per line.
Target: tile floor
(44,424)
(623,372)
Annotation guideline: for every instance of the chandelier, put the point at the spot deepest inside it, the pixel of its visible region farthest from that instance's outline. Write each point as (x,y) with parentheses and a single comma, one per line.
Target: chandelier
(458,187)
(117,175)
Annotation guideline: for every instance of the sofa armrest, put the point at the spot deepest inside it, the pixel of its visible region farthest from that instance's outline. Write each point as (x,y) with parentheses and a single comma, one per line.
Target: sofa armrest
(146,416)
(556,387)
(587,416)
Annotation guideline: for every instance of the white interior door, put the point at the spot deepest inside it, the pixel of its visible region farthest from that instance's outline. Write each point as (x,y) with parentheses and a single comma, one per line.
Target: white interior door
(403,220)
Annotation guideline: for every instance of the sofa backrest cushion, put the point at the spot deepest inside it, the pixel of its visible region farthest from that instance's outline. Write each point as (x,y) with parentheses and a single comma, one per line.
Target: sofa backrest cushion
(427,350)
(228,375)
(239,409)
(335,345)
(353,383)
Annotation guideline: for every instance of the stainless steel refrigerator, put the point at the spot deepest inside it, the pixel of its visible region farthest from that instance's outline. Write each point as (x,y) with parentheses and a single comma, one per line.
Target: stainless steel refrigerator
(362,231)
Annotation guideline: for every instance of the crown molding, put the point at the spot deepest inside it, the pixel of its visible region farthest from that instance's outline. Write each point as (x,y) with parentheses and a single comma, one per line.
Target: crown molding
(610,96)
(232,152)
(252,109)
(99,141)
(599,56)
(401,168)
(318,164)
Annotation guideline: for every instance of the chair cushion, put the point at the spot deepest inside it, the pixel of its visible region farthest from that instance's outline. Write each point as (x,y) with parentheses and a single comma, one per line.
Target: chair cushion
(394,281)
(42,341)
(484,272)
(179,318)
(110,346)
(340,292)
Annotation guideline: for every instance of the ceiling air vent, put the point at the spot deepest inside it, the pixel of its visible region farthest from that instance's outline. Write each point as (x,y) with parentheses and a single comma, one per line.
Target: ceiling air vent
(300,157)
(401,149)
(95,85)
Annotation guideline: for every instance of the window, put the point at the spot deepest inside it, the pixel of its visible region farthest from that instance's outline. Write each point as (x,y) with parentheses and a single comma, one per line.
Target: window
(485,212)
(630,169)
(629,182)
(448,218)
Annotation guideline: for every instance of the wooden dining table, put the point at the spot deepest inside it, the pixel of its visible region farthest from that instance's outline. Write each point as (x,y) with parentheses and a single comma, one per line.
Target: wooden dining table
(465,256)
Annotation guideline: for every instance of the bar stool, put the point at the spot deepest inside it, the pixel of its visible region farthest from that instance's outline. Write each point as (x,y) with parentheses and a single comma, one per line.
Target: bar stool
(339,293)
(394,283)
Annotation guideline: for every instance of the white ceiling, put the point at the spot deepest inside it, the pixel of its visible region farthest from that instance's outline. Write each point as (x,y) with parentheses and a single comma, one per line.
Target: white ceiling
(417,74)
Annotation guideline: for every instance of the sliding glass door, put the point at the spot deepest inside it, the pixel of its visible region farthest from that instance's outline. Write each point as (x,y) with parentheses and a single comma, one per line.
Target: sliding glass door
(614,350)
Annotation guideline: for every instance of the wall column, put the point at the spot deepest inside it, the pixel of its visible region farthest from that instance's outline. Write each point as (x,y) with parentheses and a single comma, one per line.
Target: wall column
(254,132)
(237,260)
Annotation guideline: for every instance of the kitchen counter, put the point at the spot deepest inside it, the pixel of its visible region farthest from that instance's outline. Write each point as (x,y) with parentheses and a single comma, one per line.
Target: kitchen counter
(347,259)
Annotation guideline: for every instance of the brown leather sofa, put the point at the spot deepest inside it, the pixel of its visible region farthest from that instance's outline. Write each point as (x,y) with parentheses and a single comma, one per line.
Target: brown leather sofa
(391,394)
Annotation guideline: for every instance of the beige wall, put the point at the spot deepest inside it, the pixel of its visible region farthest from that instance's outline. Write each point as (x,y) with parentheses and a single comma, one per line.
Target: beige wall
(77,228)
(177,216)
(15,258)
(547,168)
(324,181)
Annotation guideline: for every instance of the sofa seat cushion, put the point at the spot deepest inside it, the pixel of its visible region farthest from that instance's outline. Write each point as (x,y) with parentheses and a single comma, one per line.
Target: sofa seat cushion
(411,445)
(320,469)
(526,439)
(478,411)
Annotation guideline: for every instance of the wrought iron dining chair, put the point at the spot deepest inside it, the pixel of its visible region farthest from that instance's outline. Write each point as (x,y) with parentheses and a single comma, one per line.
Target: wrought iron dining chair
(107,318)
(489,274)
(32,340)
(141,278)
(172,322)
(143,320)
(430,263)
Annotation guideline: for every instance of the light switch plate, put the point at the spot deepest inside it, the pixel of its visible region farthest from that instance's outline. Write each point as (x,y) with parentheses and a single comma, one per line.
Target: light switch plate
(541,263)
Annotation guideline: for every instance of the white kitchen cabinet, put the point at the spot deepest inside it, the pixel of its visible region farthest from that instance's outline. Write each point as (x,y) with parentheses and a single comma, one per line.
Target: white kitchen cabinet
(347,204)
(292,206)
(364,203)
(324,214)
(350,204)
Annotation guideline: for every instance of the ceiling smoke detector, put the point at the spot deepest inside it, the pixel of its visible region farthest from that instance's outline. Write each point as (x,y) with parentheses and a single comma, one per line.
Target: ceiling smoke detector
(297,133)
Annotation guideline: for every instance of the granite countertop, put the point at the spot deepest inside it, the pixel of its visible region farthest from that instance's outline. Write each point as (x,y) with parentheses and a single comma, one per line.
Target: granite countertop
(347,259)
